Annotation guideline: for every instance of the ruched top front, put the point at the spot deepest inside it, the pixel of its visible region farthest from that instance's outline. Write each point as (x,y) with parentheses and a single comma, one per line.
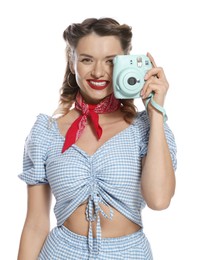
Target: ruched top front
(110,176)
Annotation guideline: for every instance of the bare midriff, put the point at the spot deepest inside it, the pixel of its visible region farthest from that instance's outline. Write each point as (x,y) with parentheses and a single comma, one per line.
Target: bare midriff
(118,226)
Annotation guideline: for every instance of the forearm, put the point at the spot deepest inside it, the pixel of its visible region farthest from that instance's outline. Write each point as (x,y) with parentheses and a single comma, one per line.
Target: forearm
(158,179)
(31,242)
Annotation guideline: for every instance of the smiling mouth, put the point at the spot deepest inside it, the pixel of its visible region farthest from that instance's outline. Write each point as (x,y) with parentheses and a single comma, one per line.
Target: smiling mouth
(98,84)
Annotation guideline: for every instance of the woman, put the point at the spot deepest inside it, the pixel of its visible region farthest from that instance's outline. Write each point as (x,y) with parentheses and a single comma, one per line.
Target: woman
(99,158)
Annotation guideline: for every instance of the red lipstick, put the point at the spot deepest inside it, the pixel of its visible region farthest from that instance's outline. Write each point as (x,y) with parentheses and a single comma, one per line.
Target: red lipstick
(98,84)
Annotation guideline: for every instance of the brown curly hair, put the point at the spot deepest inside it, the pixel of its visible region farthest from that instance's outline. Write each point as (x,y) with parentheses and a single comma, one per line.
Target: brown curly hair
(72,35)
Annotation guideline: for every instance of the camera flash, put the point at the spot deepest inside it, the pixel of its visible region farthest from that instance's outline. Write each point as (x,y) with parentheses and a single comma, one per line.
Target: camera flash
(139,62)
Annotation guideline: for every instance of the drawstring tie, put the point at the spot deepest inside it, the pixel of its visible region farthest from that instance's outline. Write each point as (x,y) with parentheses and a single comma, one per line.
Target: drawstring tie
(92,214)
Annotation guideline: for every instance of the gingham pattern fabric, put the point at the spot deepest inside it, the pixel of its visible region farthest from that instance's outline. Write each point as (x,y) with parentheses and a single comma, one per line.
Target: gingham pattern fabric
(111,175)
(62,244)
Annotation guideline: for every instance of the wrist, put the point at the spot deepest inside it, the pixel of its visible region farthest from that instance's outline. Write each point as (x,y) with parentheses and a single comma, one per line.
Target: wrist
(155,115)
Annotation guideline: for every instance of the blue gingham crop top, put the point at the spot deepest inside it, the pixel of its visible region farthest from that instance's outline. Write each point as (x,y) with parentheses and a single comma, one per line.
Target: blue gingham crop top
(110,176)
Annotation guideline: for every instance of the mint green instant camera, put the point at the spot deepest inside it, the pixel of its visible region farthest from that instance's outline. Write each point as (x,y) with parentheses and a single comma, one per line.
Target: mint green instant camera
(128,75)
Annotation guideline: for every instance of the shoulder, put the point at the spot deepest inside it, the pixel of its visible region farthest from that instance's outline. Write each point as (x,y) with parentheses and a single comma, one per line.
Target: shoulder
(141,119)
(141,125)
(41,128)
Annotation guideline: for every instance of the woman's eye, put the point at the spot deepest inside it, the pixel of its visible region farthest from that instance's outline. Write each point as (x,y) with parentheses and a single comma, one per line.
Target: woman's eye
(110,62)
(86,60)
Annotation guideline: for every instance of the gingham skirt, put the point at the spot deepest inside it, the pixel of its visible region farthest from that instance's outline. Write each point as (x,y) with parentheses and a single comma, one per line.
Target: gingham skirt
(62,244)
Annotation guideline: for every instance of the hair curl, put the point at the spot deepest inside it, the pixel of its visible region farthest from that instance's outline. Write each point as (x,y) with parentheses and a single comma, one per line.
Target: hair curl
(72,35)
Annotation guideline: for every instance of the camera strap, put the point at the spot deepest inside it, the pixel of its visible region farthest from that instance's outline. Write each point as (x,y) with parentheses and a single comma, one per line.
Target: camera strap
(158,107)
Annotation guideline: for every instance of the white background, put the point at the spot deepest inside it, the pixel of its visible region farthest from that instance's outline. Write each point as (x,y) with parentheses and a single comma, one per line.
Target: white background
(32,64)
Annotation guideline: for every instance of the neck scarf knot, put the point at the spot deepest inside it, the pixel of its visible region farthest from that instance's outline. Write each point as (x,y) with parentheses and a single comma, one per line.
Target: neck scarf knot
(109,104)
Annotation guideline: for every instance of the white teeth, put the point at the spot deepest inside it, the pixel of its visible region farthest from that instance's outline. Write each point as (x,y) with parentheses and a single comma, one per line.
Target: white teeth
(100,84)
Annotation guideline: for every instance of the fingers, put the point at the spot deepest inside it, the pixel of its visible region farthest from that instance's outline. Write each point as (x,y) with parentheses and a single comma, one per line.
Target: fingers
(157,71)
(151,59)
(152,88)
(157,86)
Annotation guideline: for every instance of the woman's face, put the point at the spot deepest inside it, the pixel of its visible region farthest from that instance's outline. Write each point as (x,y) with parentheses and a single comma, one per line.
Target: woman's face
(93,65)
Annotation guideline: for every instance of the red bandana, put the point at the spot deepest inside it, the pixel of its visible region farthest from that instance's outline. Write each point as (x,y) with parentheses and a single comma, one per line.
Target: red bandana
(109,104)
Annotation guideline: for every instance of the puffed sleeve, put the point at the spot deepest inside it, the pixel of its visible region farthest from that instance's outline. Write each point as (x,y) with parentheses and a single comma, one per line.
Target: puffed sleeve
(35,153)
(144,130)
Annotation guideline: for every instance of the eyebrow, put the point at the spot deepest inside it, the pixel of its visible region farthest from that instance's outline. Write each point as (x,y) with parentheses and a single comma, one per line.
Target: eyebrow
(89,56)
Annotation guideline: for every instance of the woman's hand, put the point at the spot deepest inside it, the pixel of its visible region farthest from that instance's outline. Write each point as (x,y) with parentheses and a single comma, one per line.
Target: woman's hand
(157,83)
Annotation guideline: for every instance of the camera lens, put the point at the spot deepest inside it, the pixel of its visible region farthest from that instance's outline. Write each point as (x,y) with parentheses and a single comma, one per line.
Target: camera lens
(132,81)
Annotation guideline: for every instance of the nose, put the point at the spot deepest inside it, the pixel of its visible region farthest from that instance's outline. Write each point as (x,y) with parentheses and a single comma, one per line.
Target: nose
(98,70)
